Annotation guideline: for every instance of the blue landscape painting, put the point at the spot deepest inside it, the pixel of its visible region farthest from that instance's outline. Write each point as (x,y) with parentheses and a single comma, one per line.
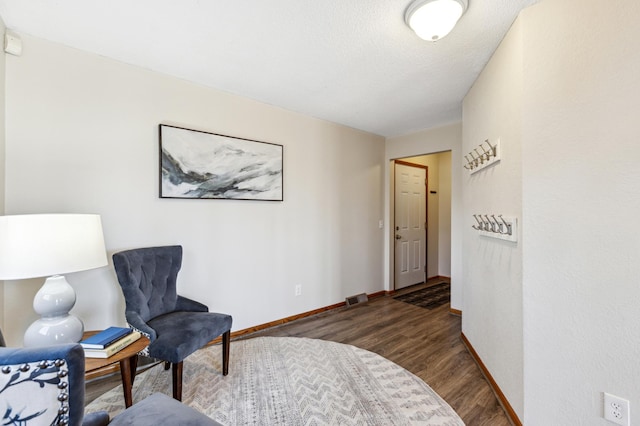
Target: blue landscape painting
(197,164)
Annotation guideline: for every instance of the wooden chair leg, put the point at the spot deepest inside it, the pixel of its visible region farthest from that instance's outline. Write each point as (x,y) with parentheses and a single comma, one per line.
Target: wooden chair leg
(167,364)
(177,380)
(226,341)
(133,368)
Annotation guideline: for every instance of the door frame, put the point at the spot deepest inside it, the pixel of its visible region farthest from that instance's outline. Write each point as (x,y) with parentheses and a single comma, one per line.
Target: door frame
(426,216)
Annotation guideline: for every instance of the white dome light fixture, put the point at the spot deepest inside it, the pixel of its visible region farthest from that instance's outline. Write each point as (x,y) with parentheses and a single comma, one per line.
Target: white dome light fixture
(433,19)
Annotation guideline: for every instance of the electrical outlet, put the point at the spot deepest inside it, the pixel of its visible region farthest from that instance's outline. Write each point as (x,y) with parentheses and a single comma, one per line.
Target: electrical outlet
(298,290)
(616,409)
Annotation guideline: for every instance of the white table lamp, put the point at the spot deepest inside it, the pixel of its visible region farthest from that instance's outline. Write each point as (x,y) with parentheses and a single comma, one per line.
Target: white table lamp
(40,245)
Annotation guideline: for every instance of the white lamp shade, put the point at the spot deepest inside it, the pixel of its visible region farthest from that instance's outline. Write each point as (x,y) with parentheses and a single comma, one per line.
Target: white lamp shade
(41,245)
(433,19)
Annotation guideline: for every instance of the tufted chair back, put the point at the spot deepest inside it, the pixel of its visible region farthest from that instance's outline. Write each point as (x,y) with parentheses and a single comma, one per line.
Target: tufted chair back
(148,279)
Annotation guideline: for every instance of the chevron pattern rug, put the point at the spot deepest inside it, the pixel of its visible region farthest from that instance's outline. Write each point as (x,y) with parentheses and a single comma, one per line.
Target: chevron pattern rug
(295,381)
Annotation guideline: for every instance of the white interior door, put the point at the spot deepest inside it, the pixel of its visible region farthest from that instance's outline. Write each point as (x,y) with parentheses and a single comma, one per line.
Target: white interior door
(410,225)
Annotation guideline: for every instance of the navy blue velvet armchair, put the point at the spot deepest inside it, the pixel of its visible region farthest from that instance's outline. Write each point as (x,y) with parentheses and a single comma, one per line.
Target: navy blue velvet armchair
(176,326)
(45,386)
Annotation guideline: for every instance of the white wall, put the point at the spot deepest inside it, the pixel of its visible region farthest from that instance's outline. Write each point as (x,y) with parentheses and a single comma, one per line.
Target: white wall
(445,138)
(82,137)
(444,215)
(553,317)
(2,157)
(492,268)
(581,199)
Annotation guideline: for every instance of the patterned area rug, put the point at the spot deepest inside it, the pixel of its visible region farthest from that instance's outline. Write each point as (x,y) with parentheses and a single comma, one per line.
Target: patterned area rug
(295,381)
(429,297)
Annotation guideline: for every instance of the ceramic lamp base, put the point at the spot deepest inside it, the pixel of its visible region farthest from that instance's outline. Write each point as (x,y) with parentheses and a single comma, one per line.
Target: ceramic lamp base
(53,302)
(54,331)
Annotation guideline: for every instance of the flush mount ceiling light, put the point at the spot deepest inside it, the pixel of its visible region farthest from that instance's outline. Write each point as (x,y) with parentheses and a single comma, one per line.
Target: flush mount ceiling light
(433,19)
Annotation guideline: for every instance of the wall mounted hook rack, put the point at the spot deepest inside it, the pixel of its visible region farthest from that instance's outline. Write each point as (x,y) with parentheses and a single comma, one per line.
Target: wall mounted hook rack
(501,227)
(491,154)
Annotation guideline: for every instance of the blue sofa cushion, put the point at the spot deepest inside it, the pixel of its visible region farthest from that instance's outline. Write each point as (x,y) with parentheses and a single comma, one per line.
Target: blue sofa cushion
(159,409)
(179,334)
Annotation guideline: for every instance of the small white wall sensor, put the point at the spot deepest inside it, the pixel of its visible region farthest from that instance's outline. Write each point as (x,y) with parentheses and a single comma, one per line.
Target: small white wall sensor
(12,43)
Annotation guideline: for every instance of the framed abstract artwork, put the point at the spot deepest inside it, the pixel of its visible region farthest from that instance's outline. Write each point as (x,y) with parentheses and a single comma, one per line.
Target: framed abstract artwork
(197,164)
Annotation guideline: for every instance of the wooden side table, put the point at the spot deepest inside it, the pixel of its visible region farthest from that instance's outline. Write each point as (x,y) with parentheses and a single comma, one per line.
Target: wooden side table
(128,359)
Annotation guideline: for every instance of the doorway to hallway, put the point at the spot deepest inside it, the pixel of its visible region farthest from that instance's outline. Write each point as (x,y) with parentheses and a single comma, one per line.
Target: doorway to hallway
(436,251)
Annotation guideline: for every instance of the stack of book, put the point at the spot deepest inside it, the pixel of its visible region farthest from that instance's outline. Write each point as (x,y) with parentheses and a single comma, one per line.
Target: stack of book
(108,342)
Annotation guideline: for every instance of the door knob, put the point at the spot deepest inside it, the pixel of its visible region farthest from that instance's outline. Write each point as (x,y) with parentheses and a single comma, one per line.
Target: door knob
(398,237)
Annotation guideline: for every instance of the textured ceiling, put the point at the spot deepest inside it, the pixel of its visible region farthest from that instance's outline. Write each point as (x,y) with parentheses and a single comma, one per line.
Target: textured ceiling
(353,62)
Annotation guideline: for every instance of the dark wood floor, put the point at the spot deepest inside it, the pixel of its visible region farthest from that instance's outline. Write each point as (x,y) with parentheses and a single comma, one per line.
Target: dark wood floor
(425,342)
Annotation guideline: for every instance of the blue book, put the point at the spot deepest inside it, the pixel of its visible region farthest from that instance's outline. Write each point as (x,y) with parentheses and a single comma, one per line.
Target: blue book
(104,338)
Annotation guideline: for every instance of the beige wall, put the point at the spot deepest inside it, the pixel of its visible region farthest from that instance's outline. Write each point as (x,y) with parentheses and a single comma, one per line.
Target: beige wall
(82,136)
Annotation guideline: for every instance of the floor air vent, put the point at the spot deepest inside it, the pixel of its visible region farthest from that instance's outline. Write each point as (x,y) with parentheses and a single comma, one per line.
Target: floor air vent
(358,298)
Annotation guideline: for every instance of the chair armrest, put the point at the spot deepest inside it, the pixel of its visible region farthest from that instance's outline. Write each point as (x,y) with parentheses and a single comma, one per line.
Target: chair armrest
(99,418)
(188,305)
(136,321)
